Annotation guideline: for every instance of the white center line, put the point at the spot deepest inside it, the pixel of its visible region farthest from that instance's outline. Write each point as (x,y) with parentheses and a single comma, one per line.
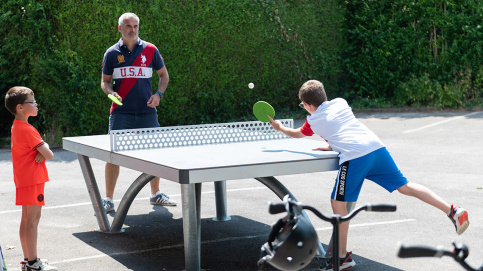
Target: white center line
(118,200)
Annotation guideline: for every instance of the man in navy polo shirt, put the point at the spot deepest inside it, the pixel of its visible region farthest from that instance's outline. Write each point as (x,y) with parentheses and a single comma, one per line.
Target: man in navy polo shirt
(127,70)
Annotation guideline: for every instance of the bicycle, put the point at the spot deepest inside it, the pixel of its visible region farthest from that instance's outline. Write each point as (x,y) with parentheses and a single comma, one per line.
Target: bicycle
(292,242)
(459,253)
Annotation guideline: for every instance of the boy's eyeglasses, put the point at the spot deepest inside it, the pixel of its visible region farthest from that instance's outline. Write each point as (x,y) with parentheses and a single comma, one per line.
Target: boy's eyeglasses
(302,105)
(34,102)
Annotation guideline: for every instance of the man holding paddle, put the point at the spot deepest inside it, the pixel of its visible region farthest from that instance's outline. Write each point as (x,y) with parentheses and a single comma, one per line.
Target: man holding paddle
(127,70)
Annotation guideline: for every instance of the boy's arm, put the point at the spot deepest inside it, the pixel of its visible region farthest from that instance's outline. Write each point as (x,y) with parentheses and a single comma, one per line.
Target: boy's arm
(277,125)
(326,148)
(45,153)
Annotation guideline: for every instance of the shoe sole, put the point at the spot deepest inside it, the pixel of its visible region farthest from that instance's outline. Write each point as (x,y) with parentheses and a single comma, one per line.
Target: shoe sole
(347,268)
(463,226)
(342,268)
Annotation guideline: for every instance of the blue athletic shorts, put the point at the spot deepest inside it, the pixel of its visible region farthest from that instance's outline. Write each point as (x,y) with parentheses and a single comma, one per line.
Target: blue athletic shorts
(123,121)
(377,166)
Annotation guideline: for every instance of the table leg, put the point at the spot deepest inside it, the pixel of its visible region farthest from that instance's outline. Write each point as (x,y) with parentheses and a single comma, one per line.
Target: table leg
(94,194)
(127,200)
(280,190)
(220,199)
(191,203)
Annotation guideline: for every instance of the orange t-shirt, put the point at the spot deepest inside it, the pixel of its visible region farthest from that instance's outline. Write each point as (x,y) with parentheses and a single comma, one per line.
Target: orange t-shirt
(25,141)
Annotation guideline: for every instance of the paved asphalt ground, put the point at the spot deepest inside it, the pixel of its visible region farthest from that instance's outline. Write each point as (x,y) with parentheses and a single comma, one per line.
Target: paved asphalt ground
(442,151)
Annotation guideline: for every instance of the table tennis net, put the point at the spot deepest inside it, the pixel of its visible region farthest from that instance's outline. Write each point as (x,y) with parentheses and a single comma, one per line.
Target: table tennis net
(195,135)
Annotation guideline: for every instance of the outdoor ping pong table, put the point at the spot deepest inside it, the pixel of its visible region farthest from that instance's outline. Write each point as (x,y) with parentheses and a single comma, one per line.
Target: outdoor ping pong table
(192,155)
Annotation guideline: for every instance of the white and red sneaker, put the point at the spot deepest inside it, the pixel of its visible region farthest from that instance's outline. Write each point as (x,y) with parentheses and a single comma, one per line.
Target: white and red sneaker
(345,263)
(459,216)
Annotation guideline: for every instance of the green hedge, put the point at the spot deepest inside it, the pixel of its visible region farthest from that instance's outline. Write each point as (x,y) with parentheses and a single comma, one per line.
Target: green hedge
(375,53)
(212,50)
(415,52)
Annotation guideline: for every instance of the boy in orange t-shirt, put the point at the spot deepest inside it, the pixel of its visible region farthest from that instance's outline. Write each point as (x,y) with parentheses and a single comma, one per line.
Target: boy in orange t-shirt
(29,153)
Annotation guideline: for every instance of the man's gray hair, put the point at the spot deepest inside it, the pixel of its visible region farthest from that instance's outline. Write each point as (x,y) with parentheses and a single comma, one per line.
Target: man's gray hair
(127,15)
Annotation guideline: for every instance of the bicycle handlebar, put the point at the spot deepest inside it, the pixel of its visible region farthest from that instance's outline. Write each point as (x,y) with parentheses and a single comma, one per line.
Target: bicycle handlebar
(276,207)
(280,207)
(411,251)
(459,254)
(381,207)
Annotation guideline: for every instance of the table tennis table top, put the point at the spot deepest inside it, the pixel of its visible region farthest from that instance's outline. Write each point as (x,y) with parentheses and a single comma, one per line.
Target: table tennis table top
(213,162)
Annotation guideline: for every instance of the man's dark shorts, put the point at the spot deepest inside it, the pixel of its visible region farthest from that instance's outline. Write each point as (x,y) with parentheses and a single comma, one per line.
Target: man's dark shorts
(122,121)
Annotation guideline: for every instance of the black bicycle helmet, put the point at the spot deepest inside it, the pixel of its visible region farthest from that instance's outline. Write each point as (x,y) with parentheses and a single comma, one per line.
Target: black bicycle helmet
(292,244)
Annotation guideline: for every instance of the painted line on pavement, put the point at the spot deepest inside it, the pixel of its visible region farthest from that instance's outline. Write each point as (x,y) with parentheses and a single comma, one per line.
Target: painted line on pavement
(118,200)
(441,122)
(103,255)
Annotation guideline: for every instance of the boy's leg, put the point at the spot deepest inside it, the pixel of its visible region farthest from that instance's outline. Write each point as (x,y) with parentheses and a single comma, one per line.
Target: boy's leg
(339,207)
(426,195)
(33,213)
(23,231)
(458,215)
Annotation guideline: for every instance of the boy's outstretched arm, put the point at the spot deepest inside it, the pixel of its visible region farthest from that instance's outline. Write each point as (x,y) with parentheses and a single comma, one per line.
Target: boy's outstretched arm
(277,125)
(326,148)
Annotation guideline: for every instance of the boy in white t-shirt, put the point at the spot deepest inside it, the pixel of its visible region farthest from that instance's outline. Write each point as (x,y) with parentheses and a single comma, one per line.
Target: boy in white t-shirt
(362,155)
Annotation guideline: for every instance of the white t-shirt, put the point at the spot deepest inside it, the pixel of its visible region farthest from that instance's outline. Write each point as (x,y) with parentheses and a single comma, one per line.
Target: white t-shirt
(334,121)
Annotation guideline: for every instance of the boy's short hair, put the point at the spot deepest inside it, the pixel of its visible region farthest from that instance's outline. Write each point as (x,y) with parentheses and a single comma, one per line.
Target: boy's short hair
(127,15)
(313,92)
(16,95)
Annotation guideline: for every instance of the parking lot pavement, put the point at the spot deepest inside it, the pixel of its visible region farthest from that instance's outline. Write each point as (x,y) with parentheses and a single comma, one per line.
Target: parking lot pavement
(442,151)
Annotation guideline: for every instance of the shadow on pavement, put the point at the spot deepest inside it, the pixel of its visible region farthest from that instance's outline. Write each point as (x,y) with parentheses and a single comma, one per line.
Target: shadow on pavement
(154,241)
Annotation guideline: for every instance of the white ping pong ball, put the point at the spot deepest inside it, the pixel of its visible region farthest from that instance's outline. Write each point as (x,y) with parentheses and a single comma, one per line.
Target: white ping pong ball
(251,85)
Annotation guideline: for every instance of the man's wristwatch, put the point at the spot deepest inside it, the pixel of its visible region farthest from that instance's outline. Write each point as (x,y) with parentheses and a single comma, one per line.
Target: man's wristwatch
(161,95)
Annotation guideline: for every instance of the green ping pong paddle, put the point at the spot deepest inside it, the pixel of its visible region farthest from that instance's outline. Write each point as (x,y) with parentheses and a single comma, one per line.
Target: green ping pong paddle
(114,99)
(261,109)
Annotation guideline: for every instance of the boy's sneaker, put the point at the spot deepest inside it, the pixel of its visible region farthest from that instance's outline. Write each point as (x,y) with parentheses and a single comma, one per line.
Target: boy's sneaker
(344,264)
(459,216)
(162,199)
(107,205)
(24,263)
(40,266)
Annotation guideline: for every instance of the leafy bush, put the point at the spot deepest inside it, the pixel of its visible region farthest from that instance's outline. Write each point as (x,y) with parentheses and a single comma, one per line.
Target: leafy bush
(457,94)
(27,33)
(212,50)
(374,53)
(404,46)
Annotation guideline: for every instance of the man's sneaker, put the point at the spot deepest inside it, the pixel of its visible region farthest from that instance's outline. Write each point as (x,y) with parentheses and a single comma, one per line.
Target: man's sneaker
(459,216)
(344,264)
(40,266)
(162,199)
(24,263)
(107,205)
